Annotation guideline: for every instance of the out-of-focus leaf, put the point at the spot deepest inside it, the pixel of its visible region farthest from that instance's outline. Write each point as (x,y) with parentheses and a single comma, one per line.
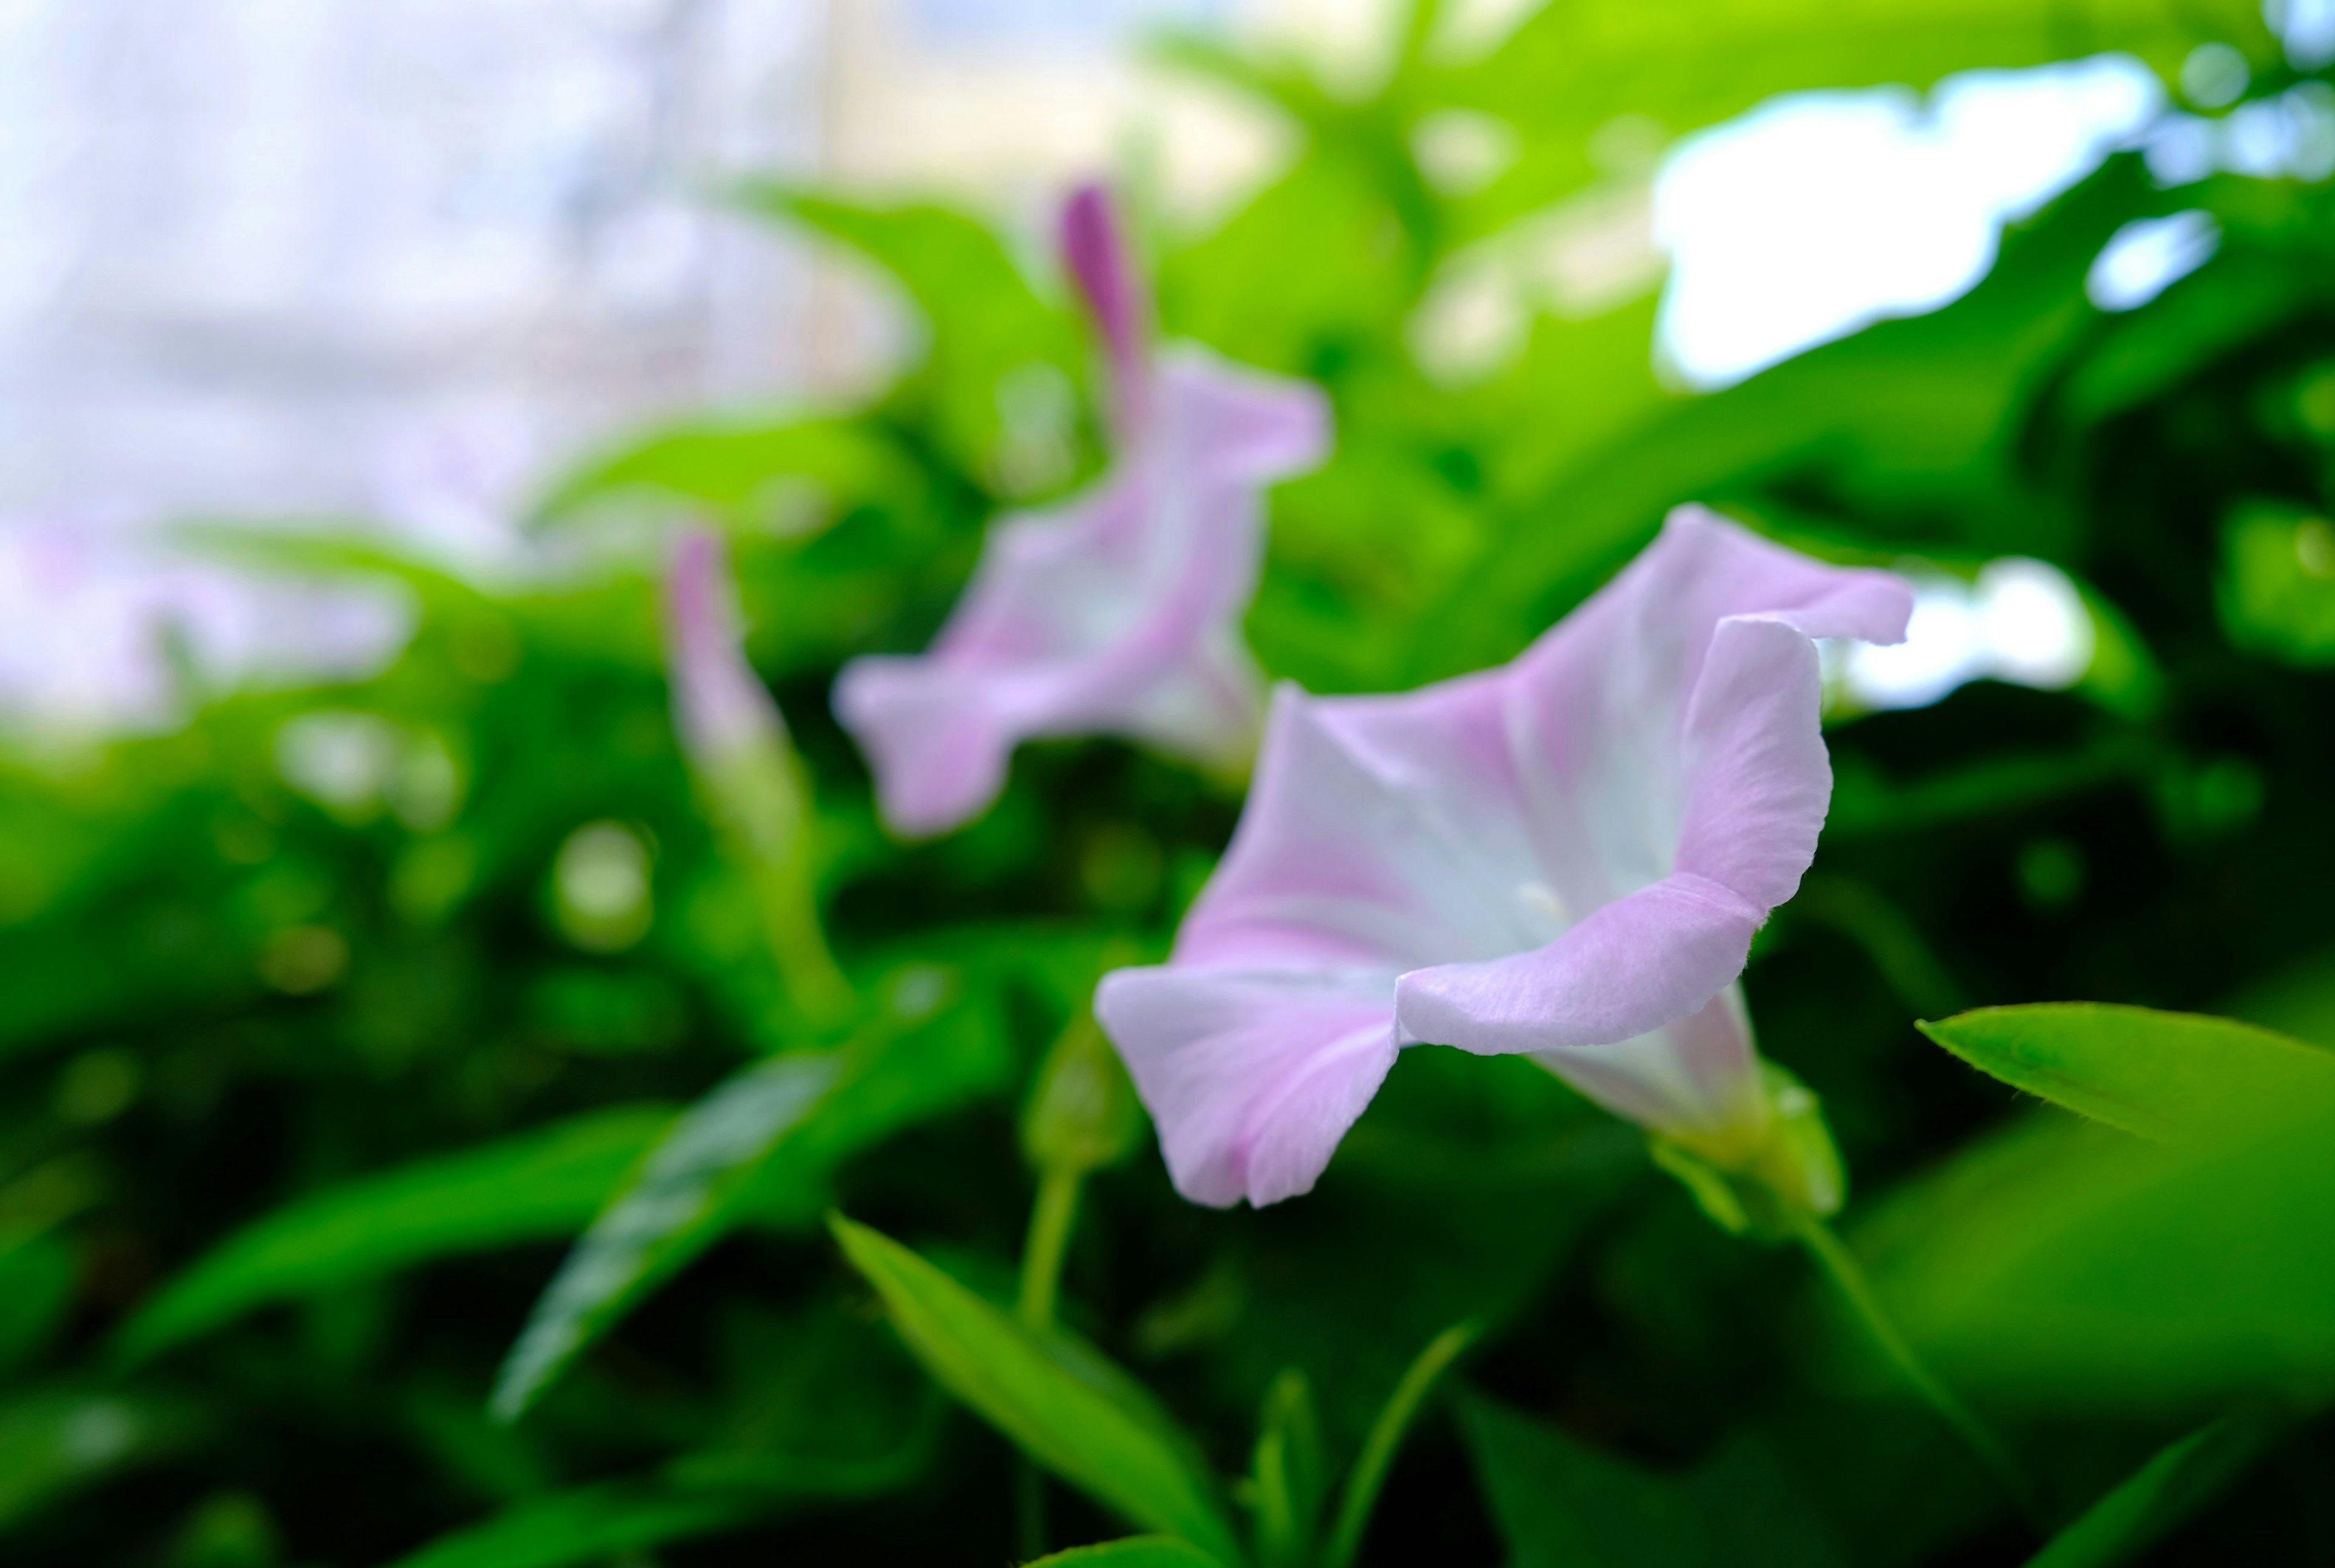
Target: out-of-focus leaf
(1569,70)
(2158,1496)
(2069,1265)
(986,323)
(772,473)
(2276,585)
(1359,1499)
(1135,1551)
(2173,1076)
(1288,1473)
(758,1148)
(55,1442)
(669,1213)
(1064,1405)
(1561,1503)
(591,1525)
(36,1290)
(538,1184)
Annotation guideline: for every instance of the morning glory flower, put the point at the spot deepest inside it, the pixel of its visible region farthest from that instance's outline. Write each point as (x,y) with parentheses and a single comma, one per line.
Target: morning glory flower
(1565,857)
(1119,613)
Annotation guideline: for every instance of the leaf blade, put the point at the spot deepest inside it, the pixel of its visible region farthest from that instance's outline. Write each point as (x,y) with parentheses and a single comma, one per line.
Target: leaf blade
(2169,1076)
(541,1184)
(1101,1436)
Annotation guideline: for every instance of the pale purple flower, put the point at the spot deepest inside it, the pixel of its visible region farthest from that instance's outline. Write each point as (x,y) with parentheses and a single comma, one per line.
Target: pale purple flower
(1119,614)
(1565,856)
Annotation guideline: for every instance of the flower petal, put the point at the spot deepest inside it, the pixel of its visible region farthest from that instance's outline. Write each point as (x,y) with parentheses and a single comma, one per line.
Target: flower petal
(1598,708)
(1251,1075)
(1634,965)
(1116,615)
(1758,780)
(1696,1075)
(1356,849)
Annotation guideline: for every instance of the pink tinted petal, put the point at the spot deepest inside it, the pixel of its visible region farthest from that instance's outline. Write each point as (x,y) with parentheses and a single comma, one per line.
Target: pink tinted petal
(1241,425)
(1697,1075)
(1597,708)
(720,704)
(938,754)
(1758,781)
(1116,614)
(1634,965)
(1095,249)
(1252,1077)
(1341,858)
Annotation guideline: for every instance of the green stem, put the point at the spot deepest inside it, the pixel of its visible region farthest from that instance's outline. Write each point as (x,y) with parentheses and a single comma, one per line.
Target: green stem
(1370,1471)
(1051,1218)
(1848,1277)
(812,977)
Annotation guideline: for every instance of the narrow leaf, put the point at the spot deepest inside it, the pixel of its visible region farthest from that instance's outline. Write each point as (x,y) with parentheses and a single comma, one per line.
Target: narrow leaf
(1135,1551)
(676,1209)
(537,1186)
(591,1524)
(2158,1496)
(1287,1473)
(1386,1437)
(1064,1403)
(2171,1077)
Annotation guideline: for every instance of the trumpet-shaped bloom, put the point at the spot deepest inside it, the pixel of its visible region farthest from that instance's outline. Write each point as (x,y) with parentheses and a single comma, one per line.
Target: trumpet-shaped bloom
(1567,858)
(1119,614)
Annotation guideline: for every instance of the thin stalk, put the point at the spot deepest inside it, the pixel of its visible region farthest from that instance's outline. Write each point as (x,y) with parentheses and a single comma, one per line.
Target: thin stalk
(1370,1471)
(1051,1218)
(798,945)
(1848,1277)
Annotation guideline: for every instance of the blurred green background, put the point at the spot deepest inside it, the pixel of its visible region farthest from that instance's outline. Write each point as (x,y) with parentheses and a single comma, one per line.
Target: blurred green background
(329,1021)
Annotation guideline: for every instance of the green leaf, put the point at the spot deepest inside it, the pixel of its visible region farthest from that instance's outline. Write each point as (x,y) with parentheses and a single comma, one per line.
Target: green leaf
(1560,1503)
(2172,1076)
(987,323)
(2160,1495)
(676,1207)
(55,1442)
(755,471)
(759,1148)
(2063,1266)
(539,1185)
(1135,1551)
(1371,1466)
(1288,1473)
(591,1524)
(1064,1404)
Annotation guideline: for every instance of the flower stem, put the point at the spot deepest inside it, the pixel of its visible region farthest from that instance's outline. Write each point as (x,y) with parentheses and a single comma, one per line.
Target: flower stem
(1848,1277)
(1051,1218)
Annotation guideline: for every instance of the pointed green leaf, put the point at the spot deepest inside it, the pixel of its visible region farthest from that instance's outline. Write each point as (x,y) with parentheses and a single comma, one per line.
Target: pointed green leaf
(1288,1473)
(1560,1503)
(2171,1077)
(759,1148)
(750,470)
(1063,1402)
(2158,1496)
(590,1526)
(1135,1551)
(1379,1450)
(677,1206)
(537,1186)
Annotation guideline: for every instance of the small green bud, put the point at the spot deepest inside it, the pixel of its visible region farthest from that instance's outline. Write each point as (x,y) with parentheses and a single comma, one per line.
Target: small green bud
(1081,1114)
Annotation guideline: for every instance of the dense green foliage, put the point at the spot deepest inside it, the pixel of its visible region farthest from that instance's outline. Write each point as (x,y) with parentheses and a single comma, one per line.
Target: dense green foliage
(310,1090)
